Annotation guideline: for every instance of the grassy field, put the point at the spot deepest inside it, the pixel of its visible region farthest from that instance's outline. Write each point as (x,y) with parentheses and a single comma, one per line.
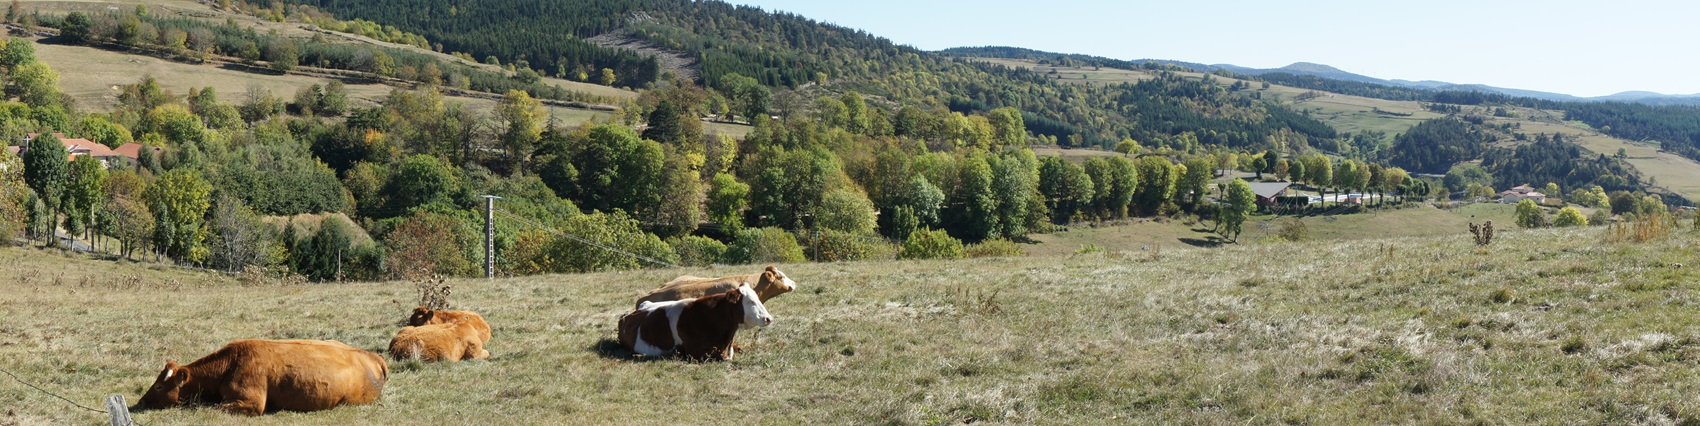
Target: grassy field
(1546,326)
(1146,234)
(1075,74)
(1076,155)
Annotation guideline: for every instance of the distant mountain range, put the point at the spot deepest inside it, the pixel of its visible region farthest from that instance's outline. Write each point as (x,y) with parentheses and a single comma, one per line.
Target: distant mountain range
(1325,71)
(1322,71)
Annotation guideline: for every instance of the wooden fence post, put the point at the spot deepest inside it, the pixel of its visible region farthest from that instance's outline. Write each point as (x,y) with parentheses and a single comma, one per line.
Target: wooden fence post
(120,413)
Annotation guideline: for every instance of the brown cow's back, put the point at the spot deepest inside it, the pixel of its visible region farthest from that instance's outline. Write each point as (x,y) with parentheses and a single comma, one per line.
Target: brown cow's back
(256,376)
(357,378)
(768,284)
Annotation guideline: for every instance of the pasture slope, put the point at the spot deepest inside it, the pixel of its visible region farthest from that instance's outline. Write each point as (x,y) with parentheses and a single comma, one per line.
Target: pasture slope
(1543,326)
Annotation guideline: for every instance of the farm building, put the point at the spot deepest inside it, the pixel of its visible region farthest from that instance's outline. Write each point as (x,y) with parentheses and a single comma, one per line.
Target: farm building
(1520,193)
(80,147)
(1268,191)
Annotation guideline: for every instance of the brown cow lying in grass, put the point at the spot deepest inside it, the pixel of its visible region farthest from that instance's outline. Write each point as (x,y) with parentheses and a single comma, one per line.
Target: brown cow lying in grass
(258,376)
(451,342)
(768,284)
(426,316)
(699,328)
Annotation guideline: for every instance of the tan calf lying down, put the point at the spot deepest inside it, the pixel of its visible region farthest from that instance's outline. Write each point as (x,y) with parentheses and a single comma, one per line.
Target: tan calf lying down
(426,316)
(438,342)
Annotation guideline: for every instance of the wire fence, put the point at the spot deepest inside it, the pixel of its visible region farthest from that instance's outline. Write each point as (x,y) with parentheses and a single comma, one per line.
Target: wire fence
(117,412)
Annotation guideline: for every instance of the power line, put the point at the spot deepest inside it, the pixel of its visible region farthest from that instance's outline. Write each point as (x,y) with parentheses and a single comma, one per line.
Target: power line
(522,219)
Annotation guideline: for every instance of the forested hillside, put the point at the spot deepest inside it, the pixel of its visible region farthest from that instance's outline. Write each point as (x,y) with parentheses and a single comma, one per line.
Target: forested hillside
(783,50)
(878,152)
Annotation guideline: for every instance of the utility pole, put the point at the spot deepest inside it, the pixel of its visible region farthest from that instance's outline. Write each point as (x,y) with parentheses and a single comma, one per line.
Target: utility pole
(489,235)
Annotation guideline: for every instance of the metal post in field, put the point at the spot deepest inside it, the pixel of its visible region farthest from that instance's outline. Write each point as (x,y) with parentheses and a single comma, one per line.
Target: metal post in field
(490,235)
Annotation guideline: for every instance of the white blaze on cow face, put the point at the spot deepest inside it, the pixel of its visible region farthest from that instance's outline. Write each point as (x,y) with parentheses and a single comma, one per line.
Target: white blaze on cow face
(785,281)
(755,314)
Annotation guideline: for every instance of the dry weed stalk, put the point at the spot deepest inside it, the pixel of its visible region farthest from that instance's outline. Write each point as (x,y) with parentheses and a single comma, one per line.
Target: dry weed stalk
(433,293)
(252,275)
(1483,233)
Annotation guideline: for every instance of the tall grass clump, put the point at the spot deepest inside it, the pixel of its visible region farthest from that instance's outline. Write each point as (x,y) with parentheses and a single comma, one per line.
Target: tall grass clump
(1643,229)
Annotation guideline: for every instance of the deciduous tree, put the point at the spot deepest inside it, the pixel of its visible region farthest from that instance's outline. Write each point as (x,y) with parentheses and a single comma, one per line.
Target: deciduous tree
(1570,216)
(179,200)
(1530,215)
(521,118)
(1240,203)
(45,170)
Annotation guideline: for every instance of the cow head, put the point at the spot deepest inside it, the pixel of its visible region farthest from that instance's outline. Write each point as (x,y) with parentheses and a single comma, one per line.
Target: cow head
(777,283)
(167,389)
(421,316)
(755,314)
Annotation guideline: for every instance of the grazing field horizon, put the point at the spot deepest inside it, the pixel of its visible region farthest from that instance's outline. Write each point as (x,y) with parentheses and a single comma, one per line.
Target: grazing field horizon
(1542,326)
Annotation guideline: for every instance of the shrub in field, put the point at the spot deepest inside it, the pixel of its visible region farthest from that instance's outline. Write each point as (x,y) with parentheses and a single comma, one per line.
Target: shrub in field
(697,250)
(763,245)
(429,244)
(1570,216)
(931,244)
(837,246)
(1294,230)
(997,247)
(1601,217)
(1530,215)
(610,231)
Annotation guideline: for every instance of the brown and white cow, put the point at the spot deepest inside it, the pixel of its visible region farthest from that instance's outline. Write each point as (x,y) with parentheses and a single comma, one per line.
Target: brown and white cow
(426,316)
(258,376)
(451,342)
(767,285)
(697,328)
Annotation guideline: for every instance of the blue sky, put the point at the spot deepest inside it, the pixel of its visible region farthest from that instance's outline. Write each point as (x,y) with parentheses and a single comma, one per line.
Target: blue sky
(1584,48)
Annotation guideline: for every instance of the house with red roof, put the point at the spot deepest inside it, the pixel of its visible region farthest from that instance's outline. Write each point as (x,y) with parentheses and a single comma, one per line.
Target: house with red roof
(83,147)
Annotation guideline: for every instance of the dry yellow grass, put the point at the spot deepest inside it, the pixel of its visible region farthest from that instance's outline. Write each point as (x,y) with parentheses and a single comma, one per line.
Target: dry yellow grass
(1546,326)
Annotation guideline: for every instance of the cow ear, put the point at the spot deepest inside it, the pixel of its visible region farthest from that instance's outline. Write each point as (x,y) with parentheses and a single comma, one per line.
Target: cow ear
(772,269)
(734,296)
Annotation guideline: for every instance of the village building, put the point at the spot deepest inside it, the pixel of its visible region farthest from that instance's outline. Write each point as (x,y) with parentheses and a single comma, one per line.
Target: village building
(1267,192)
(1520,193)
(75,147)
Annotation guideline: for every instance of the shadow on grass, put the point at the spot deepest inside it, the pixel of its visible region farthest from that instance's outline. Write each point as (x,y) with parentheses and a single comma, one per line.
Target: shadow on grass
(612,349)
(1207,242)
